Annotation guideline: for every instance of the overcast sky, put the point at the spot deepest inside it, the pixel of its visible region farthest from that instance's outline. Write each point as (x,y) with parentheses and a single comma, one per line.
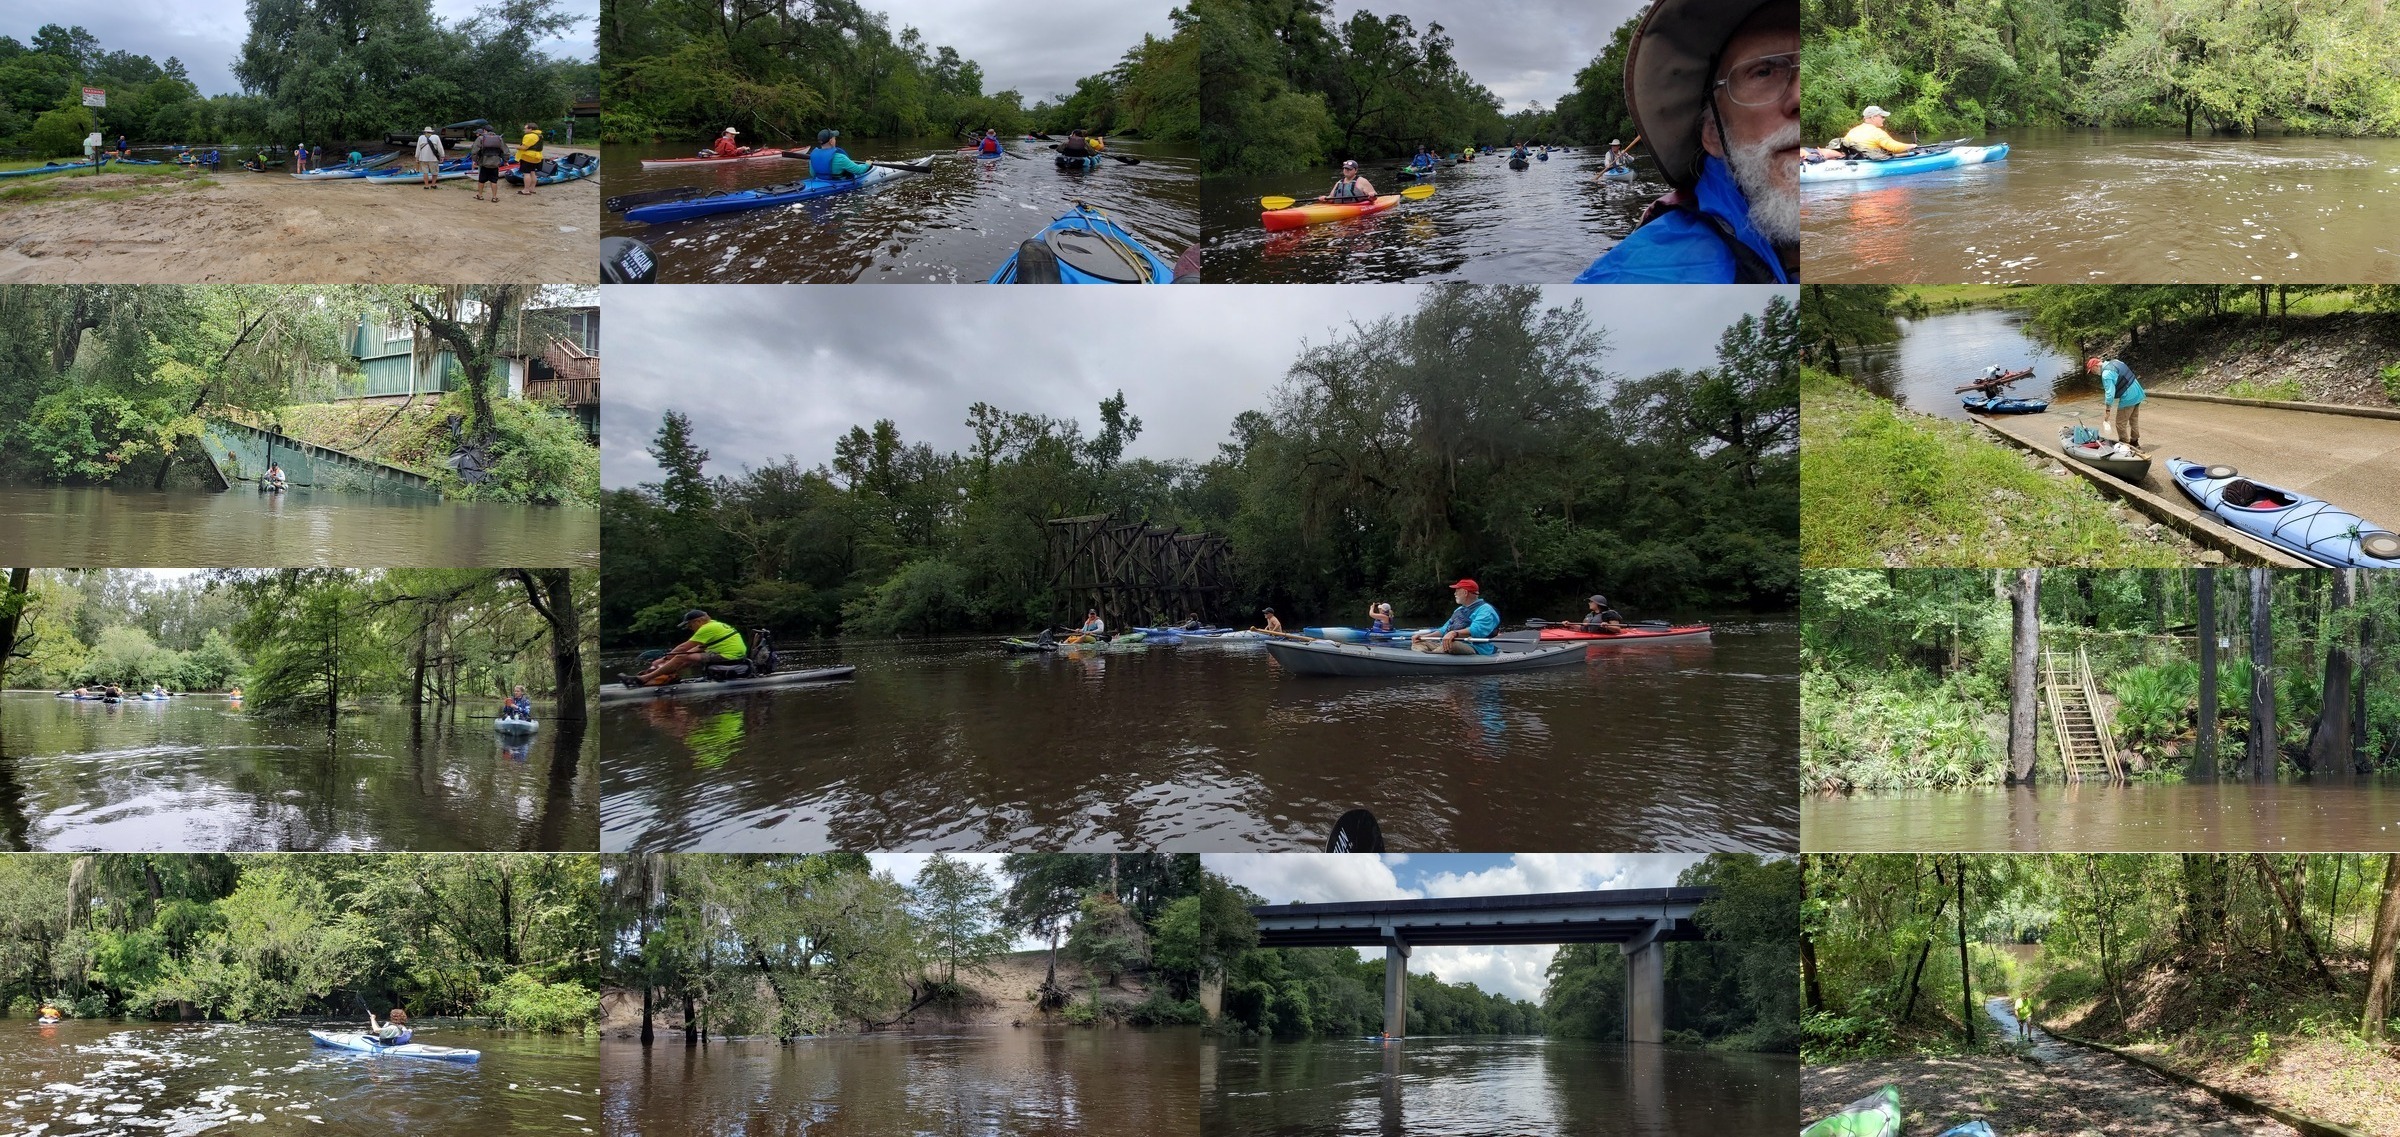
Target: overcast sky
(787,369)
(1519,50)
(1038,48)
(207,34)
(1286,878)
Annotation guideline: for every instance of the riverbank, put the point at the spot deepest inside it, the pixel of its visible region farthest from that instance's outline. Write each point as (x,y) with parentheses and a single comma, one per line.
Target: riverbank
(1880,485)
(1001,998)
(2022,1098)
(167,226)
(2341,358)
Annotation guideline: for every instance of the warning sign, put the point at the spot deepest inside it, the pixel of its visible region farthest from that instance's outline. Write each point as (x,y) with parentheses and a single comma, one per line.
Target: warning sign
(95,97)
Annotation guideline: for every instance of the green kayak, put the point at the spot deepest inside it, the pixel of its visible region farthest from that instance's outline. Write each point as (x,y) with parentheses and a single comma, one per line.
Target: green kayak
(1876,1115)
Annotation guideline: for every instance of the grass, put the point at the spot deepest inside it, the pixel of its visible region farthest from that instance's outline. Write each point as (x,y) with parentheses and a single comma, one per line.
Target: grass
(59,187)
(1880,488)
(1950,297)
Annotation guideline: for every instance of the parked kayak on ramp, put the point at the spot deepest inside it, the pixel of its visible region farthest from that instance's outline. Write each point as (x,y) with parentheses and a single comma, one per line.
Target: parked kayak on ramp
(2099,453)
(1853,169)
(366,1044)
(764,197)
(2003,406)
(619,693)
(2312,529)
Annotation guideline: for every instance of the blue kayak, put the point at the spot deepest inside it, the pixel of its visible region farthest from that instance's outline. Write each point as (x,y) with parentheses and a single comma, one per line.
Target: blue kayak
(453,168)
(1984,406)
(366,1044)
(1361,635)
(2312,529)
(767,196)
(1087,162)
(1617,172)
(1852,169)
(1084,247)
(557,170)
(51,168)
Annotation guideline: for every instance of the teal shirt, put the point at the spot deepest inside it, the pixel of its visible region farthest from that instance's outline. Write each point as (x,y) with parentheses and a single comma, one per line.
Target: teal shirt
(2118,387)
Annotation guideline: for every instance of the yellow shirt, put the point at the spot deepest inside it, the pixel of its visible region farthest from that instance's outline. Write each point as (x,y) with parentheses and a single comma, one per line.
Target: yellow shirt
(530,150)
(1868,136)
(719,637)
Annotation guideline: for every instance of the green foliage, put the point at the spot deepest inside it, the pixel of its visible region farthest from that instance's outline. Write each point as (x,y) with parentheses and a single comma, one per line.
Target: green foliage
(1107,939)
(923,596)
(521,1002)
(2279,390)
(2153,702)
(283,944)
(1161,1009)
(958,908)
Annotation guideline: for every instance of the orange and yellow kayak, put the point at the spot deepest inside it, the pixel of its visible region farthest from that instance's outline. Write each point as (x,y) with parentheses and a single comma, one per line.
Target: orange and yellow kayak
(1319,212)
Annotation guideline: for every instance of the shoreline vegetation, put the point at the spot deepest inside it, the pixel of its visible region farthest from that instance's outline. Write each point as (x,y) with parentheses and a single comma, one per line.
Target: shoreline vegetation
(2199,66)
(779,74)
(2268,975)
(1290,89)
(1907,677)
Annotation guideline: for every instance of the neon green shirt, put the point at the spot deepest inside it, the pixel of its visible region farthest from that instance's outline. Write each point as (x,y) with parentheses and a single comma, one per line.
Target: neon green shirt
(719,637)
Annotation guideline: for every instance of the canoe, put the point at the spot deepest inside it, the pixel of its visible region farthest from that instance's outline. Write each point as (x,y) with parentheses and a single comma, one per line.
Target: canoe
(765,196)
(1084,247)
(2312,529)
(366,1044)
(556,170)
(2003,406)
(763,153)
(2114,457)
(1087,162)
(1309,213)
(1875,1115)
(1853,169)
(619,693)
(1324,657)
(515,726)
(1680,633)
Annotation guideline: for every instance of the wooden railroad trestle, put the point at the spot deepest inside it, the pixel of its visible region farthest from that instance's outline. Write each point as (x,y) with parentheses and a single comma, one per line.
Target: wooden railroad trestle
(1134,572)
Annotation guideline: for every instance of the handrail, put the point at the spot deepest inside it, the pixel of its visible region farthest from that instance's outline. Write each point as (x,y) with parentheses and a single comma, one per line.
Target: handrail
(2100,724)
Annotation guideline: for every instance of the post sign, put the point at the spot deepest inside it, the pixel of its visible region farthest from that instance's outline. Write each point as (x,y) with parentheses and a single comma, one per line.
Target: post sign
(95,97)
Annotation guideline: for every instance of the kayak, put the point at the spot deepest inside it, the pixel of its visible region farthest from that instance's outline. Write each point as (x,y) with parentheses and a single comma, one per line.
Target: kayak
(1544,156)
(346,170)
(759,154)
(515,726)
(52,168)
(1681,633)
(766,196)
(1087,162)
(1876,1115)
(1518,163)
(1310,213)
(366,1044)
(2311,529)
(619,693)
(2003,406)
(1025,647)
(2114,457)
(1319,657)
(994,156)
(1361,635)
(1084,247)
(556,170)
(1617,172)
(1852,169)
(1419,171)
(454,168)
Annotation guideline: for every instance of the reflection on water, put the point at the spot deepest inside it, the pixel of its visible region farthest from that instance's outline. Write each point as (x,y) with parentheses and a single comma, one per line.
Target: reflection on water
(1939,353)
(1485,223)
(193,774)
(953,225)
(1194,747)
(122,1078)
(1030,1082)
(2142,817)
(2122,207)
(1496,1087)
(57,525)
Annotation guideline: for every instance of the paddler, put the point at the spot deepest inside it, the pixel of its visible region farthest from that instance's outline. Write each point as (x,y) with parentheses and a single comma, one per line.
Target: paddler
(529,159)
(274,478)
(1094,628)
(2121,394)
(828,163)
(1715,85)
(1599,617)
(1379,617)
(712,642)
(1192,623)
(1272,624)
(1991,383)
(235,694)
(51,1013)
(729,144)
(517,706)
(1076,145)
(392,1031)
(1617,155)
(1423,160)
(1475,619)
(1351,186)
(990,143)
(1868,140)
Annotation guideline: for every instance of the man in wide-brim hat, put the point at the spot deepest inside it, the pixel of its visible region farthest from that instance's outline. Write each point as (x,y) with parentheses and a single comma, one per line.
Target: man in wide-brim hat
(1715,86)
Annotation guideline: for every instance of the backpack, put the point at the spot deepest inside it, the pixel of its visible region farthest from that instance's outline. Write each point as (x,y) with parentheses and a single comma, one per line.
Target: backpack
(491,154)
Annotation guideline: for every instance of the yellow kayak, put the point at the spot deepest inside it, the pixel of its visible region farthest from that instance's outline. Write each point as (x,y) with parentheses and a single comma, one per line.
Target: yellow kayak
(1320,212)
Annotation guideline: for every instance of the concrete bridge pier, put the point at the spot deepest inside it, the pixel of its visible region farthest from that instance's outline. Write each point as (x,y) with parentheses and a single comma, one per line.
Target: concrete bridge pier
(1395,984)
(1645,987)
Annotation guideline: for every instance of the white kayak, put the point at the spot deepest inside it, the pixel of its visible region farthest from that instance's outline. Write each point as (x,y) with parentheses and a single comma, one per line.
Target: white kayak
(516,726)
(366,1044)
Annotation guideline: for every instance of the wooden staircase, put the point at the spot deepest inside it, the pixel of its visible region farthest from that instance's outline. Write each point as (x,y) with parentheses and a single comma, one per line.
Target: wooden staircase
(2087,747)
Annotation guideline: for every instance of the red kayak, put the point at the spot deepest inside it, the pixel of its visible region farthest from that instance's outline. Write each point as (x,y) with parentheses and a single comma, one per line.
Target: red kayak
(1684,633)
(712,160)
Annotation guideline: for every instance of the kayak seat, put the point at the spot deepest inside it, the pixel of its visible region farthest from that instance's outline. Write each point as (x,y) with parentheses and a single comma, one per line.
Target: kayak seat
(2246,494)
(1035,263)
(1095,255)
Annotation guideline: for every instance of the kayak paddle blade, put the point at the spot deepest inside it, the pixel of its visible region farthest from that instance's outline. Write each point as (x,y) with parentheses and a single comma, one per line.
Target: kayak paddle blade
(1356,832)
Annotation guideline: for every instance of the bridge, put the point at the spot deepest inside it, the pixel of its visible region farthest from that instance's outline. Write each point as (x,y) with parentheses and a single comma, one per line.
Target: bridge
(1637,920)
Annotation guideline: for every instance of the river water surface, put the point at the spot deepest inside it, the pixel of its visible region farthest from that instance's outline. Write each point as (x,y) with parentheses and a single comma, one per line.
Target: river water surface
(959,745)
(1030,1082)
(956,224)
(193,774)
(2143,817)
(1940,352)
(126,1078)
(1496,1087)
(2119,207)
(59,526)
(1485,223)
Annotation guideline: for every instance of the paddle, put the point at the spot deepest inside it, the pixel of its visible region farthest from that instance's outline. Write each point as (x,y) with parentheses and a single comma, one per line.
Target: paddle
(1412,193)
(1356,832)
(1539,623)
(1105,154)
(2003,381)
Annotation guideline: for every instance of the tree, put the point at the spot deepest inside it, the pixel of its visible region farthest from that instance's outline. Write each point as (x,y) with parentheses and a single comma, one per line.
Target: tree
(2260,751)
(2024,659)
(958,906)
(2383,956)
(2204,759)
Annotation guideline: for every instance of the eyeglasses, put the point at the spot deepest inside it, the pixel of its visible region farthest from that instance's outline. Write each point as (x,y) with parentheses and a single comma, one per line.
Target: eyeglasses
(1757,82)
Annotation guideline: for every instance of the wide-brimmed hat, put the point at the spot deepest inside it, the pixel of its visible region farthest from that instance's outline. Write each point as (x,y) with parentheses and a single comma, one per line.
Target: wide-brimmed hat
(1668,72)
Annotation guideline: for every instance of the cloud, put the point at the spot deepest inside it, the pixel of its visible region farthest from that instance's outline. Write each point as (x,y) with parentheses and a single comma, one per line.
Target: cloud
(1520,50)
(1039,50)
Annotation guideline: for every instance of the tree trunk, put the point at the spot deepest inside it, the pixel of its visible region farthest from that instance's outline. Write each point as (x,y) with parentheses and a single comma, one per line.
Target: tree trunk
(2259,754)
(1966,976)
(2361,760)
(2025,653)
(2204,757)
(552,594)
(2380,956)
(2298,919)
(12,610)
(2329,737)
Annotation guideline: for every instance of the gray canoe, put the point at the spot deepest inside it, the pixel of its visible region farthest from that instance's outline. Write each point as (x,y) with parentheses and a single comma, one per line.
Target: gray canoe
(1324,657)
(620,693)
(2103,457)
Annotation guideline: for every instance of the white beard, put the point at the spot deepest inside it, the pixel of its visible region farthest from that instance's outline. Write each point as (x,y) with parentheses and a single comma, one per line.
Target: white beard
(1774,210)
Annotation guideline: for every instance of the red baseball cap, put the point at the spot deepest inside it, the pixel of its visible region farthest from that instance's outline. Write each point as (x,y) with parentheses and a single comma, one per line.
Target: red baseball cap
(1468,585)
